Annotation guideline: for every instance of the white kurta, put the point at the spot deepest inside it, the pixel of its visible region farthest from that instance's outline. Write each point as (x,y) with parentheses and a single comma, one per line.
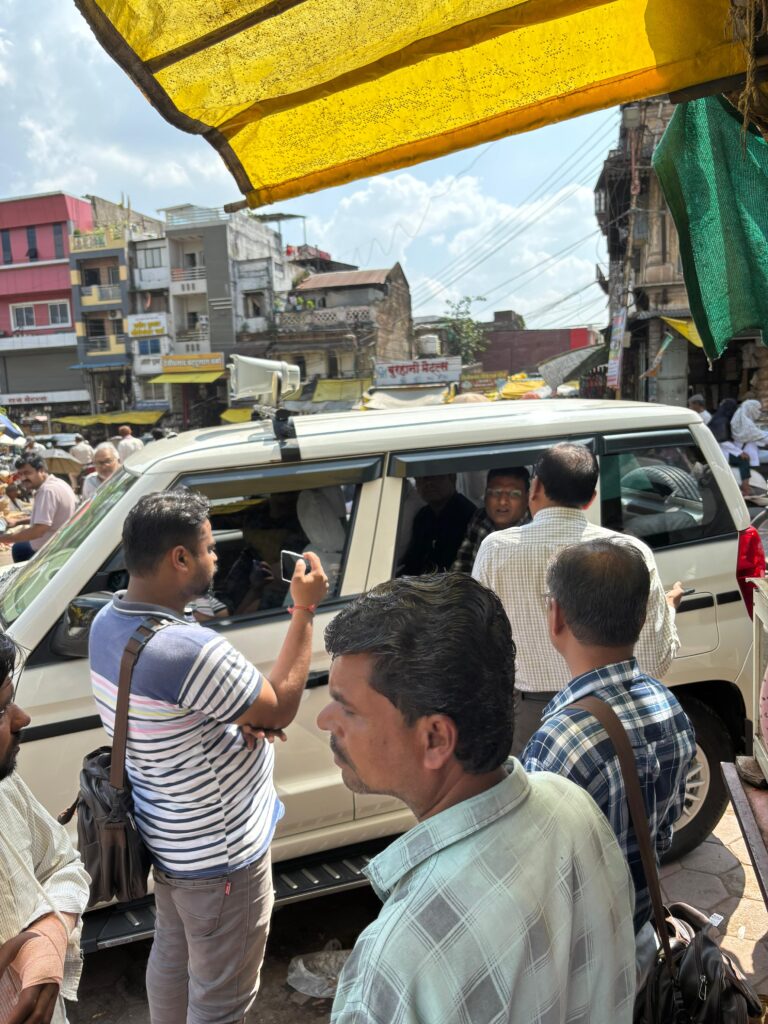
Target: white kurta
(40,872)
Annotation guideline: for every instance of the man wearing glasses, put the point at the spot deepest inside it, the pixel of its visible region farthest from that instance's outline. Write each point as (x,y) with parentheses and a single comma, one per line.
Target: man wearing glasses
(106,461)
(506,504)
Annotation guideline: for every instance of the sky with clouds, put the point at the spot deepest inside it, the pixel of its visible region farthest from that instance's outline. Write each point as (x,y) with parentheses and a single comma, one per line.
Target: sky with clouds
(512,222)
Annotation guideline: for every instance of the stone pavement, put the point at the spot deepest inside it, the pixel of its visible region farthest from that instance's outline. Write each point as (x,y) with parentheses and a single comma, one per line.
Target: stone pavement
(718,877)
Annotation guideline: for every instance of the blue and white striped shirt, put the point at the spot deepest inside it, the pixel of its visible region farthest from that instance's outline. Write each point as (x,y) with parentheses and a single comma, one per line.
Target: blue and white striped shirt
(570,742)
(205,805)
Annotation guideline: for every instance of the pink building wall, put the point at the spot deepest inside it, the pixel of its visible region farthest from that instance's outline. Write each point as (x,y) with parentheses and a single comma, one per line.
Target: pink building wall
(36,282)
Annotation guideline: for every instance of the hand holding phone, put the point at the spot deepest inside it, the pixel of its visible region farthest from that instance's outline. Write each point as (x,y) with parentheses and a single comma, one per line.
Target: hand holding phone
(307,588)
(288,560)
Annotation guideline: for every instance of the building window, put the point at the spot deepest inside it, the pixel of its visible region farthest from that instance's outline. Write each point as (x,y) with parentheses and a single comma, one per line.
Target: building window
(91,276)
(149,347)
(58,241)
(58,313)
(95,328)
(5,241)
(32,244)
(113,275)
(333,365)
(149,259)
(153,392)
(23,317)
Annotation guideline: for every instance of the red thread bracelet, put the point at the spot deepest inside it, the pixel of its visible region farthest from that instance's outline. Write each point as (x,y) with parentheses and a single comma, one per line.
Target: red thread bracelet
(311,608)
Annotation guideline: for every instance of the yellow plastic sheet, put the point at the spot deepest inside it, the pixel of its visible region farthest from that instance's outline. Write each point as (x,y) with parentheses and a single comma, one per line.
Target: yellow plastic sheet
(143,416)
(298,95)
(687,328)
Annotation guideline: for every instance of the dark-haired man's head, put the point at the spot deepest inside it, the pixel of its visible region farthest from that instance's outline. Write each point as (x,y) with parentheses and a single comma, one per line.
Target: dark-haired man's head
(157,433)
(597,595)
(12,718)
(436,490)
(32,471)
(421,688)
(565,476)
(506,496)
(167,536)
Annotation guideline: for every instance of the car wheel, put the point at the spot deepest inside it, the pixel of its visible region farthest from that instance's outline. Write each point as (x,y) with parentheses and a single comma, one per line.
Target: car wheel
(705,794)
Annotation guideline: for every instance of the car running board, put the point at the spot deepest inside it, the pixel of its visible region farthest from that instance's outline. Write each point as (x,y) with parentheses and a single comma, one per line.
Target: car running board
(292,880)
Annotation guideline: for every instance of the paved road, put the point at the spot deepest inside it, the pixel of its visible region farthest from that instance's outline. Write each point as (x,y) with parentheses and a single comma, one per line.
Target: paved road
(112,990)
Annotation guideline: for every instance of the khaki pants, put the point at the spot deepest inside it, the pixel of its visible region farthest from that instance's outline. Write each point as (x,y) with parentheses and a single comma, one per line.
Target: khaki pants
(209,945)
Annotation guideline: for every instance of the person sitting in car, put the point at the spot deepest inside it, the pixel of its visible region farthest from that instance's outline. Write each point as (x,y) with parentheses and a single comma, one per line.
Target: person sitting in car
(438,528)
(254,582)
(505,505)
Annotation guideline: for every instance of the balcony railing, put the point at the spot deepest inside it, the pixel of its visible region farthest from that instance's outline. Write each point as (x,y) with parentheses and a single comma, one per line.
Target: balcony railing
(187,273)
(194,215)
(318,319)
(101,292)
(195,336)
(104,343)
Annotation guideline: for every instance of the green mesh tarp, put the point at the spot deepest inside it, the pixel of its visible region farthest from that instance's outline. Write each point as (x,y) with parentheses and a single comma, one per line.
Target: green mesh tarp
(715,182)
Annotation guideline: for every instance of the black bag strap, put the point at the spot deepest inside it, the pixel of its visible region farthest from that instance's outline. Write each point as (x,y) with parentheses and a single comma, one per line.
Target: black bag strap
(610,721)
(140,638)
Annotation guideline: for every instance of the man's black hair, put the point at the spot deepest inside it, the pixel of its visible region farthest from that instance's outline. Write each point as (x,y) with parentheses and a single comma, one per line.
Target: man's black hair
(602,587)
(158,433)
(37,462)
(441,645)
(568,474)
(11,656)
(159,522)
(518,472)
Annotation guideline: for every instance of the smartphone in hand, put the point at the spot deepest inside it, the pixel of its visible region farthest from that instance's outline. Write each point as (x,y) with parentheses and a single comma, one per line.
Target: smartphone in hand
(288,561)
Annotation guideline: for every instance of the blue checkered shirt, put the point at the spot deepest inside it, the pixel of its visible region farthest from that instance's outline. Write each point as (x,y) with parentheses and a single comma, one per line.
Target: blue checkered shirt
(572,743)
(511,907)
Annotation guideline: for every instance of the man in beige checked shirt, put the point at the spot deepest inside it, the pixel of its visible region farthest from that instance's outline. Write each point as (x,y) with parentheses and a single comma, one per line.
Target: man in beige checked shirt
(514,562)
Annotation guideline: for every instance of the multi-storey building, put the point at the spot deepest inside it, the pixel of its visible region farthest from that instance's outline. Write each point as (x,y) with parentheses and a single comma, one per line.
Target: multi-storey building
(645,275)
(37,316)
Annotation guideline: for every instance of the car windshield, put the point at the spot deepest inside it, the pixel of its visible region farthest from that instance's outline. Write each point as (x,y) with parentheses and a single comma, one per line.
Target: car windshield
(21,584)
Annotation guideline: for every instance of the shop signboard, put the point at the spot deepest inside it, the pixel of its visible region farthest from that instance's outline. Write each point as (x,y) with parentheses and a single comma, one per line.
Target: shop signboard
(204,361)
(147,325)
(483,383)
(44,397)
(444,370)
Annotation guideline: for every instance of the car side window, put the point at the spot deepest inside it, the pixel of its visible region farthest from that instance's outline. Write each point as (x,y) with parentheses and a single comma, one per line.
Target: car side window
(663,493)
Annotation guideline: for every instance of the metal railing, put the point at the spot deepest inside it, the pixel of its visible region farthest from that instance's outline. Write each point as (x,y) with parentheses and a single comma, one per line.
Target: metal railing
(195,336)
(102,292)
(103,343)
(187,273)
(193,216)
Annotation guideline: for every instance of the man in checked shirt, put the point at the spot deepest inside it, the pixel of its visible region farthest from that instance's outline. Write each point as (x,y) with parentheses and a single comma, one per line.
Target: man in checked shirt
(513,563)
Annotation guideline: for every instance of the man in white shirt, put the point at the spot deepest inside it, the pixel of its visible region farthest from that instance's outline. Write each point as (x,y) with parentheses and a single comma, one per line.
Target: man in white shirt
(696,402)
(129,443)
(514,563)
(83,452)
(107,462)
(53,504)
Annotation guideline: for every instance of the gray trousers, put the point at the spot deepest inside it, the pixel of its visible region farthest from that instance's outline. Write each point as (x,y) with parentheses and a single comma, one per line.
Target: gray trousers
(210,936)
(528,710)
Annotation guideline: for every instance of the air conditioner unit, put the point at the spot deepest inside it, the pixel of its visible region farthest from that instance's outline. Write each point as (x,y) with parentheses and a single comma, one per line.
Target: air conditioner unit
(115,314)
(202,320)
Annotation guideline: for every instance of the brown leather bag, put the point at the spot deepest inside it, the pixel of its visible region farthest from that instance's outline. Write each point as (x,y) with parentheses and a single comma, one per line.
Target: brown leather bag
(692,981)
(110,845)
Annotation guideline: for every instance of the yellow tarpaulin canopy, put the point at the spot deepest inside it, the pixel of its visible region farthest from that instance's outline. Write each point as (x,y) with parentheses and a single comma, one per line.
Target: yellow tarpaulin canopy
(340,390)
(687,328)
(129,416)
(297,95)
(203,377)
(235,415)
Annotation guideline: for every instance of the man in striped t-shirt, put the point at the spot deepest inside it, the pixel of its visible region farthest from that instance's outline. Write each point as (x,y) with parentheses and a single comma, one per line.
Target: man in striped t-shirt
(205,803)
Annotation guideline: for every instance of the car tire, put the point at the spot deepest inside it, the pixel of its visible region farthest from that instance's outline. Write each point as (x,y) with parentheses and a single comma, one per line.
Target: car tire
(706,795)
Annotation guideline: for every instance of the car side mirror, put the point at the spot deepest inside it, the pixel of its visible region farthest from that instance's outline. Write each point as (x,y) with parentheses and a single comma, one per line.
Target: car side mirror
(70,637)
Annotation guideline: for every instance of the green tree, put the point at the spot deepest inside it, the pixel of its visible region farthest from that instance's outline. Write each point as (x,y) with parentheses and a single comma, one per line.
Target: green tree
(464,336)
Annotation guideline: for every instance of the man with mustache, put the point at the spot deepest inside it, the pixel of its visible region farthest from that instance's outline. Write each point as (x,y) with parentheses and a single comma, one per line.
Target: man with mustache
(43,886)
(510,896)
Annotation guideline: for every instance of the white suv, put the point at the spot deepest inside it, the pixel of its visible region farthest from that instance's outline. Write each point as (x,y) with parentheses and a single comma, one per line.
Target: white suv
(662,477)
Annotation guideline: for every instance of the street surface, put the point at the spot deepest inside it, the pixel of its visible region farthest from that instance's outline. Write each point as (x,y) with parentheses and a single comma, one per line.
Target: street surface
(717,877)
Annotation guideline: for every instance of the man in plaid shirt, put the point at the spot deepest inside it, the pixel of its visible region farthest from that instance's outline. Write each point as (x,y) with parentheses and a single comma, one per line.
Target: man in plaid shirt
(597,593)
(506,504)
(509,902)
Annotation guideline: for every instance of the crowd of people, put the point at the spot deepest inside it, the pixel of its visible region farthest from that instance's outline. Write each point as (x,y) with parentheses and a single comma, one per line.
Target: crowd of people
(51,500)
(737,431)
(518,894)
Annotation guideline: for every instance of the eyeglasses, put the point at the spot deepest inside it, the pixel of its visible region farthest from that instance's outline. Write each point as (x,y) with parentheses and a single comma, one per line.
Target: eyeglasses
(498,492)
(103,462)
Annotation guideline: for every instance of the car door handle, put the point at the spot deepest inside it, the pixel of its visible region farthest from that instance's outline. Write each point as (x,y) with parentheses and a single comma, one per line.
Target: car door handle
(317,679)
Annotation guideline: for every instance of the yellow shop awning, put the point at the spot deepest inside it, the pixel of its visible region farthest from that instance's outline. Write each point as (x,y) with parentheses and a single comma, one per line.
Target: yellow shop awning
(202,377)
(305,94)
(139,416)
(236,415)
(687,328)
